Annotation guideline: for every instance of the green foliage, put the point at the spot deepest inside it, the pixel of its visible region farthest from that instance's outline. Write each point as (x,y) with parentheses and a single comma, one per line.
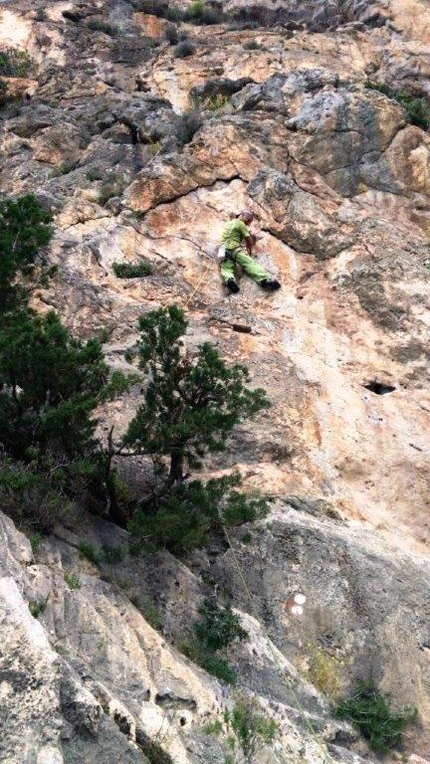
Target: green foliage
(34,498)
(14,62)
(112,555)
(50,385)
(72,580)
(323,673)
(86,549)
(96,25)
(370,711)
(93,174)
(113,186)
(184,49)
(213,728)
(187,125)
(191,405)
(219,667)
(35,541)
(251,45)
(151,613)
(251,729)
(132,270)
(173,34)
(218,626)
(186,514)
(418,109)
(63,169)
(36,607)
(3,93)
(25,228)
(199,13)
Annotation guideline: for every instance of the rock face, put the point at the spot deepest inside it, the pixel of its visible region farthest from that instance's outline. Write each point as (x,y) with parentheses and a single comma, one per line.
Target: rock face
(339,180)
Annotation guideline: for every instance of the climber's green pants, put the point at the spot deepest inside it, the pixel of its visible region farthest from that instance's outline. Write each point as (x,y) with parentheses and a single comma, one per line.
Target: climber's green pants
(249,265)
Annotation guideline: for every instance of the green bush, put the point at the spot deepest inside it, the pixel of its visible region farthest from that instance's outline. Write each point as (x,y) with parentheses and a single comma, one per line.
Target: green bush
(33,498)
(219,668)
(251,45)
(102,26)
(132,270)
(3,93)
(418,109)
(185,516)
(199,13)
(218,626)
(72,580)
(36,607)
(87,550)
(174,35)
(113,186)
(93,174)
(112,555)
(14,62)
(370,711)
(35,541)
(250,727)
(63,169)
(184,49)
(187,125)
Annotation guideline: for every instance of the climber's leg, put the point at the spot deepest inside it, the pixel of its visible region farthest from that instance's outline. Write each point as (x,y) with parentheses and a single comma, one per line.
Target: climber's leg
(227,274)
(251,267)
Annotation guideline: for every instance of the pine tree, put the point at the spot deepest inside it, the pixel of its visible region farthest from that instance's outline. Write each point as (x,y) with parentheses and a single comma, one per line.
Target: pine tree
(24,230)
(191,404)
(50,384)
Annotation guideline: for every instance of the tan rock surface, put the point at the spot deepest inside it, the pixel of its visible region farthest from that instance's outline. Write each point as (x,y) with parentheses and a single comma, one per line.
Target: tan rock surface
(339,181)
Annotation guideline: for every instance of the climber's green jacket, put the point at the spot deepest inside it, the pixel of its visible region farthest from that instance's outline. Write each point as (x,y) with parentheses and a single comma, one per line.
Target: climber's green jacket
(234,235)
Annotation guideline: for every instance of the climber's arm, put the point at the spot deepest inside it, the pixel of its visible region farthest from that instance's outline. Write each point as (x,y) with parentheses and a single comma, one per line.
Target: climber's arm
(249,244)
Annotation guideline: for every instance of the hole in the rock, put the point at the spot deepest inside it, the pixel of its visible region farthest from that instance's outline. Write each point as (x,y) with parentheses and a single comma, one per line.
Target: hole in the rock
(182,721)
(379,388)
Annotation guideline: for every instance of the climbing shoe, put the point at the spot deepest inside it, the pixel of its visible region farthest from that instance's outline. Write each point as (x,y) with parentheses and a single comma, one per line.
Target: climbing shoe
(232,286)
(270,285)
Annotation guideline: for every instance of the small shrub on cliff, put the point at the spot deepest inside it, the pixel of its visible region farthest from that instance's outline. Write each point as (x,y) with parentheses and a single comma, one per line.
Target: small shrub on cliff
(218,626)
(199,13)
(174,35)
(247,729)
(3,93)
(370,711)
(14,62)
(418,109)
(187,125)
(34,499)
(132,270)
(184,49)
(97,25)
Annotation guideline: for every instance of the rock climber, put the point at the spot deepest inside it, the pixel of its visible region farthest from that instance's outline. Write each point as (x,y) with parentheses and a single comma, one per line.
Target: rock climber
(238,242)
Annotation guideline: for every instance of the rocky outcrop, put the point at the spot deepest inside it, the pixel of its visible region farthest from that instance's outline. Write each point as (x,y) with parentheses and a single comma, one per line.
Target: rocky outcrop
(338,178)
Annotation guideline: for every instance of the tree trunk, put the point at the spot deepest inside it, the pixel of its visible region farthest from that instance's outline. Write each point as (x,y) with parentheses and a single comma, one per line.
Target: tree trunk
(176,474)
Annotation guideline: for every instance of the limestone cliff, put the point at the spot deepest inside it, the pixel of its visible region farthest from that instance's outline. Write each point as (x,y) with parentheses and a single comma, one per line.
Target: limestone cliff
(339,180)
